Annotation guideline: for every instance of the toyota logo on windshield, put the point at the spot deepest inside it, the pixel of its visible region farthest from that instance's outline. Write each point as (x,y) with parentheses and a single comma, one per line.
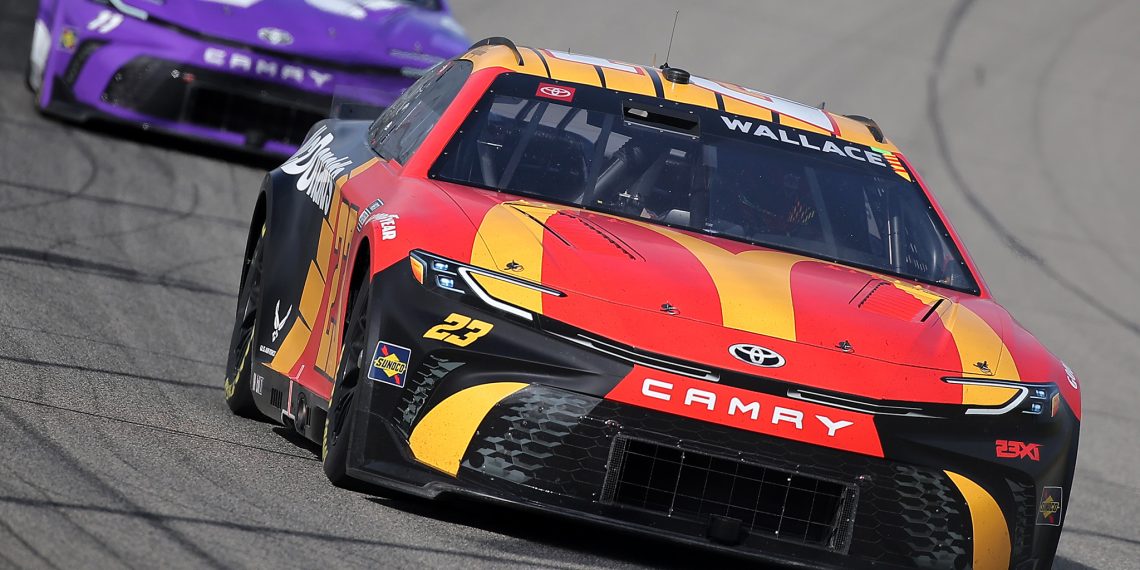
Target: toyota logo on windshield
(556,91)
(756,355)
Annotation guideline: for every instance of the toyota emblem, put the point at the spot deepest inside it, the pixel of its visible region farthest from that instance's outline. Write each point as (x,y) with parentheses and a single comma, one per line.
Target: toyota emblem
(756,355)
(558,92)
(275,36)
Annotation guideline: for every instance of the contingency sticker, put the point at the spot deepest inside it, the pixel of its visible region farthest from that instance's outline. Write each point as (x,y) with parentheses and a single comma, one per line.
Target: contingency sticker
(68,39)
(389,364)
(1049,510)
(895,163)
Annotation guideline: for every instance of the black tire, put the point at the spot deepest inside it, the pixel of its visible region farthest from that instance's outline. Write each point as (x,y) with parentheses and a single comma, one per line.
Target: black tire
(239,395)
(340,420)
(30,83)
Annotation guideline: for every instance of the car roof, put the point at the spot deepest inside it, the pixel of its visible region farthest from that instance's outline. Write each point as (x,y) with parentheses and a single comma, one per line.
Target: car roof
(651,81)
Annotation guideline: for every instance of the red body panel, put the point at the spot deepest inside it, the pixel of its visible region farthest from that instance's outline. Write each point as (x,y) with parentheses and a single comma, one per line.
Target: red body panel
(617,273)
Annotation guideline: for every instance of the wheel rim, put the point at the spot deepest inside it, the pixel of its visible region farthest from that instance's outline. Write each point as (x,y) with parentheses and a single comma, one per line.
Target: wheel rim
(249,310)
(246,320)
(353,359)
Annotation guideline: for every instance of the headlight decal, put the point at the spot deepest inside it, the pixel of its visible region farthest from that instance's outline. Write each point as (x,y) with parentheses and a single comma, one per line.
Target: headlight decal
(984,397)
(488,286)
(129,10)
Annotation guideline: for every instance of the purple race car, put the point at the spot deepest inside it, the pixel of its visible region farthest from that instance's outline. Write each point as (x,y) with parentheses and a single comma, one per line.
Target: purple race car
(254,74)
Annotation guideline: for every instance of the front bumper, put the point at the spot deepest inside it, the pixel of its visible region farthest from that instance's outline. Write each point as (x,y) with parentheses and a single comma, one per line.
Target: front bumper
(557,444)
(172,80)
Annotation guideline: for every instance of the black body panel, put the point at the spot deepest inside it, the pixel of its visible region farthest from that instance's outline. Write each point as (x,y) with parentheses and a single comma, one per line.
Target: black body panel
(552,446)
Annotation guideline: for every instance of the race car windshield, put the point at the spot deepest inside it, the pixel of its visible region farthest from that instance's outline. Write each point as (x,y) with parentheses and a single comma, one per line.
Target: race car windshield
(704,170)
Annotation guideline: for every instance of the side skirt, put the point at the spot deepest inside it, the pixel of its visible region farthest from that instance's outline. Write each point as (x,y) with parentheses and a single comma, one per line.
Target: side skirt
(281,399)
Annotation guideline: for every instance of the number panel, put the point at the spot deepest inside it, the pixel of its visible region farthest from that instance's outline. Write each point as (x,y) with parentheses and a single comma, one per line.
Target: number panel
(459,330)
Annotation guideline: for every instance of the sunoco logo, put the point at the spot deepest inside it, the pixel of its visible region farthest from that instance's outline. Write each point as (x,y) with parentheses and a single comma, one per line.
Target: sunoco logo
(756,355)
(389,364)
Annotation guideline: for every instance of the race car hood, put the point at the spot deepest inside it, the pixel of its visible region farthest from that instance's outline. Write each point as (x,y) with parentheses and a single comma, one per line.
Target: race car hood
(762,296)
(369,32)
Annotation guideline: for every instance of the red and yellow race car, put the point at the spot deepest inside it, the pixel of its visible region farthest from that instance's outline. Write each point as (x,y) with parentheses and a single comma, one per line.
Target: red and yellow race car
(654,301)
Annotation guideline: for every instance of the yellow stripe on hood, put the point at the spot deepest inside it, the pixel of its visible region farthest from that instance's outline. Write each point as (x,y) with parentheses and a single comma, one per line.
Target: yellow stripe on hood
(755,287)
(978,342)
(515,227)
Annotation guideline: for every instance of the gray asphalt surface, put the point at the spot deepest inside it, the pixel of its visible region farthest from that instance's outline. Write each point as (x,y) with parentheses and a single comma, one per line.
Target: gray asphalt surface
(119,260)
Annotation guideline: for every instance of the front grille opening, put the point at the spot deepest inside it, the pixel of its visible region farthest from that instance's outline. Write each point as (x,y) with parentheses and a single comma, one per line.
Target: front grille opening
(258,110)
(768,501)
(252,116)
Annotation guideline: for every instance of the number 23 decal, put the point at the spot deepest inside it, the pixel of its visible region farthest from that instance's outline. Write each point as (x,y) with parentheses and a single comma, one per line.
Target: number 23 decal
(459,330)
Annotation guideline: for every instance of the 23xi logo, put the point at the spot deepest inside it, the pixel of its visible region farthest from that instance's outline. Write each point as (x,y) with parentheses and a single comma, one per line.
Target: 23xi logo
(756,355)
(1010,449)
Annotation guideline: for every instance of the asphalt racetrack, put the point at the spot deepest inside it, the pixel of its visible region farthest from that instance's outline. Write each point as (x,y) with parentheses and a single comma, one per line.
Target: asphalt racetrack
(120,253)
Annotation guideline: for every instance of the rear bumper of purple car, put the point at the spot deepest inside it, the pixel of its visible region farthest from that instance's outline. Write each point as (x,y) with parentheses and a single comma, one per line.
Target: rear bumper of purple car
(165,78)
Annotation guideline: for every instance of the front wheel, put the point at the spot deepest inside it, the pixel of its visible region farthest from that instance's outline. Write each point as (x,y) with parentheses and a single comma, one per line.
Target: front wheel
(341,417)
(239,395)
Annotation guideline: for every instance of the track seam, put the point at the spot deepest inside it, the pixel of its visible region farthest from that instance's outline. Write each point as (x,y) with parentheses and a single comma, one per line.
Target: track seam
(972,199)
(154,427)
(85,474)
(1051,180)
(158,518)
(27,545)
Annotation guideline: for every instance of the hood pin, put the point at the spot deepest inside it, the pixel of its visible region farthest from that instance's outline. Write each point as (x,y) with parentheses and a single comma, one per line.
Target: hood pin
(669,309)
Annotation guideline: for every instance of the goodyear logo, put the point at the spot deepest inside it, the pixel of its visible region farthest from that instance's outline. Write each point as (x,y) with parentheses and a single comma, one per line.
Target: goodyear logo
(389,364)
